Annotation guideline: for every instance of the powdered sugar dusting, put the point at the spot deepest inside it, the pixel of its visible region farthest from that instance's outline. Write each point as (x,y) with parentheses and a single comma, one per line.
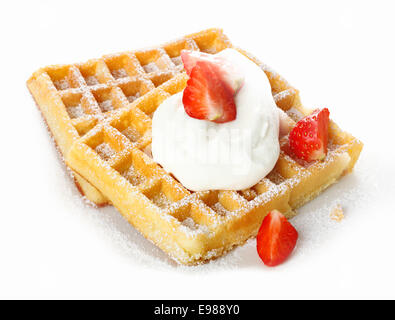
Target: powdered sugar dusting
(133,176)
(151,67)
(120,73)
(132,134)
(133,98)
(106,105)
(219,208)
(105,151)
(91,81)
(161,200)
(62,84)
(352,193)
(190,224)
(75,111)
(295,114)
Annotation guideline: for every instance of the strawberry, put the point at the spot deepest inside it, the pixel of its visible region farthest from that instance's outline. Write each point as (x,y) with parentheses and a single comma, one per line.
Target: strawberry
(207,95)
(276,239)
(228,72)
(308,140)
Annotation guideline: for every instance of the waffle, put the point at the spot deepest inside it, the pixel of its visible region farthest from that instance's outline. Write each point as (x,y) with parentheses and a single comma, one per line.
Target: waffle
(111,150)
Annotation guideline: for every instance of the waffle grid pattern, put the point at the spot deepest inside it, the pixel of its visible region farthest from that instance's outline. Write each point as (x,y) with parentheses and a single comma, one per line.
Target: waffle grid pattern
(114,99)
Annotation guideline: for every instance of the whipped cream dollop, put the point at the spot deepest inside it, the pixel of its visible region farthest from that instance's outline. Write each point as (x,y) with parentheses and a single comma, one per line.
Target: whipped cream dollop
(235,155)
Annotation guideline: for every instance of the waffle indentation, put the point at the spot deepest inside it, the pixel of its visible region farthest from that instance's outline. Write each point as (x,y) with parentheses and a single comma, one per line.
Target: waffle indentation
(64,77)
(105,151)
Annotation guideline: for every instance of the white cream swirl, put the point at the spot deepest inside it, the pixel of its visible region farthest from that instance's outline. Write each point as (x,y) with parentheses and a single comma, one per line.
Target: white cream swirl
(204,155)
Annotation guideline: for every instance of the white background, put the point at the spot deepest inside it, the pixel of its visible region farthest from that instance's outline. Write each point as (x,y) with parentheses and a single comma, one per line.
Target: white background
(339,54)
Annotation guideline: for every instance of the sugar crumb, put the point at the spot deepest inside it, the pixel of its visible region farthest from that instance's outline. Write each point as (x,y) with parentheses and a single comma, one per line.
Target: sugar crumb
(337,214)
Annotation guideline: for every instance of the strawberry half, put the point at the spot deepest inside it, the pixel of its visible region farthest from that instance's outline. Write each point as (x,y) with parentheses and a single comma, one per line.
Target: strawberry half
(228,72)
(207,95)
(276,239)
(308,140)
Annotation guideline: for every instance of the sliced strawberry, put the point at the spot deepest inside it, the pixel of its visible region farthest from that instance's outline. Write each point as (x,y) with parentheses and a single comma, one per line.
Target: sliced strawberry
(207,96)
(276,239)
(308,140)
(228,72)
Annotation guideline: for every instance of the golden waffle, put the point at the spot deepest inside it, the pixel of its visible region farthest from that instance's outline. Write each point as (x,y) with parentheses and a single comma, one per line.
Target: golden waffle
(111,150)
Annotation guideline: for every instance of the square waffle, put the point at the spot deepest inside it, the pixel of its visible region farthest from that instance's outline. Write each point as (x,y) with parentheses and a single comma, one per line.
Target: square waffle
(106,140)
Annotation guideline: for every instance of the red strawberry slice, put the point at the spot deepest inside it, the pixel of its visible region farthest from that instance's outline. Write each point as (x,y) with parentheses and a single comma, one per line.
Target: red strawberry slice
(276,239)
(228,72)
(207,95)
(308,140)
